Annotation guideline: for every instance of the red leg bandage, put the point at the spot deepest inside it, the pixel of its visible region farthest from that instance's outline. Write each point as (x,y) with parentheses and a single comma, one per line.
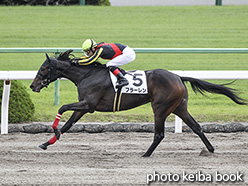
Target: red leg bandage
(52,140)
(56,121)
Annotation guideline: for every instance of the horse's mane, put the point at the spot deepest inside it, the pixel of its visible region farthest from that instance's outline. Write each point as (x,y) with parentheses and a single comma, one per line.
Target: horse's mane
(67,56)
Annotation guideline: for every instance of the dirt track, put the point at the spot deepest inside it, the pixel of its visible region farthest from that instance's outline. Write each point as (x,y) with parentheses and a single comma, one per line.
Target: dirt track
(115,158)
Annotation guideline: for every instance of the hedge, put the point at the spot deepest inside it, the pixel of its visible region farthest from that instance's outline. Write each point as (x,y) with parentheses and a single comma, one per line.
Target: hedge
(21,107)
(53,2)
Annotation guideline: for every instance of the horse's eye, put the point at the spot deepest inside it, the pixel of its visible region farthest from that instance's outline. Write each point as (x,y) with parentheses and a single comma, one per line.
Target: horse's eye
(43,69)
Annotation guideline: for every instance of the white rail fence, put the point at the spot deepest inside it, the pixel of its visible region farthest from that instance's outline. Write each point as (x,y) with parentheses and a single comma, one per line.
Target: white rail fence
(7,76)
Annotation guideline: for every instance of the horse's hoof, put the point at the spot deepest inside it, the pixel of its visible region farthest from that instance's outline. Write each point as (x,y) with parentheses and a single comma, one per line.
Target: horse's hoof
(205,152)
(146,156)
(211,149)
(43,147)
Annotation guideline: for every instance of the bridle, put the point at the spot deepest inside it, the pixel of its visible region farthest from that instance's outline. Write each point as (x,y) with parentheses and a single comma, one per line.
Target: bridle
(51,74)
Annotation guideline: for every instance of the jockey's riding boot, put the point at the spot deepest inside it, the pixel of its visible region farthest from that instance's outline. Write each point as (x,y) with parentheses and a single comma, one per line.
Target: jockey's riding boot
(121,80)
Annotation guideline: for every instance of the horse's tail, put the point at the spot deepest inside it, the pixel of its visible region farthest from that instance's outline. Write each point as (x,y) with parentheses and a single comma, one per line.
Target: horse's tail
(204,86)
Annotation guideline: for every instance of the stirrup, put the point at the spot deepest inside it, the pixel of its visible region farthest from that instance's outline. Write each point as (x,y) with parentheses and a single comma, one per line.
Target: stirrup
(122,83)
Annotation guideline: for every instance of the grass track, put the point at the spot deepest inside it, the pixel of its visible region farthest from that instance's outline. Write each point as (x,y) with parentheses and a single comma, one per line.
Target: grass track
(68,26)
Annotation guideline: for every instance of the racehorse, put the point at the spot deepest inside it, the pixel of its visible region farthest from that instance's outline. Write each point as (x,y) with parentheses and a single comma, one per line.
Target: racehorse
(166,92)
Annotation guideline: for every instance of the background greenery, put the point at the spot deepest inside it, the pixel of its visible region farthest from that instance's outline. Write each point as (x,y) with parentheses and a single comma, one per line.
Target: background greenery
(138,27)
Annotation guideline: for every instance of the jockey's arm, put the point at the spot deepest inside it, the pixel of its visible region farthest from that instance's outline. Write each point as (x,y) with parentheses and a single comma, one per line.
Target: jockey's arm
(80,58)
(88,60)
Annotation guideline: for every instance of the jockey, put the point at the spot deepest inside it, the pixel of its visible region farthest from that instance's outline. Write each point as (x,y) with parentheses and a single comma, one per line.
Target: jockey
(118,54)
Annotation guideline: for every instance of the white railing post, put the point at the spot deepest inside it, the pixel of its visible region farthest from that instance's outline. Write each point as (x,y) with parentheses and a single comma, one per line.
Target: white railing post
(5,107)
(178,125)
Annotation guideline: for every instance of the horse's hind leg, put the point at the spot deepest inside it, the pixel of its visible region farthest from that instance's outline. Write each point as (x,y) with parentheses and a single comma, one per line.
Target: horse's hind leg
(161,111)
(182,112)
(158,136)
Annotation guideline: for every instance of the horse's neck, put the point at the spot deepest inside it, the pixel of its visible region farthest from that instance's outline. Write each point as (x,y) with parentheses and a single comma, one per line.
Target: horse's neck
(73,73)
(64,71)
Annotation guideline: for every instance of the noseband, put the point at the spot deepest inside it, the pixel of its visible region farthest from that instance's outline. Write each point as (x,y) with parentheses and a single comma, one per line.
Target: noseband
(51,74)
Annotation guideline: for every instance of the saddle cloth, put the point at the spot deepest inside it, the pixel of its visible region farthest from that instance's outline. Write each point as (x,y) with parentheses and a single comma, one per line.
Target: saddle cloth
(137,82)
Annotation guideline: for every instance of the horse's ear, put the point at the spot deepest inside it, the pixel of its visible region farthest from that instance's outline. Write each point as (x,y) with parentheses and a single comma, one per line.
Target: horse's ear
(48,58)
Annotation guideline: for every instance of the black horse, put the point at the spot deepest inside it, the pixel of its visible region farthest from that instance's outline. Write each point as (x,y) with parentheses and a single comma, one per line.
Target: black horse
(166,92)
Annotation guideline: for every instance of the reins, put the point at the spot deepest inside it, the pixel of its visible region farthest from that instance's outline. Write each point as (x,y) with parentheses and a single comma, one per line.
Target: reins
(52,74)
(63,71)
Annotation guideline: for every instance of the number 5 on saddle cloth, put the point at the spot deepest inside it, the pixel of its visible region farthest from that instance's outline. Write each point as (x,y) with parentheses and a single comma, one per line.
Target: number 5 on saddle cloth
(137,85)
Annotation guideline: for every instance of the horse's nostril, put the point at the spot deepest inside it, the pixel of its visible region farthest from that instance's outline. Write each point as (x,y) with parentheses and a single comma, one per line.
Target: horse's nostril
(32,87)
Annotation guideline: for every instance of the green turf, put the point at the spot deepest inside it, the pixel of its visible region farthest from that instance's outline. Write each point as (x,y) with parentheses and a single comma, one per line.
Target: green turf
(139,27)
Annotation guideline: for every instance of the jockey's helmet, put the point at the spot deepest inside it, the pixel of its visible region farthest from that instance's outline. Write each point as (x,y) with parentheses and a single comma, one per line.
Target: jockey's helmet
(88,44)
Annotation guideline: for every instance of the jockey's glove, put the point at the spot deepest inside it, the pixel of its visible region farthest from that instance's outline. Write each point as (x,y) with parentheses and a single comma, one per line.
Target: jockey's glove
(74,62)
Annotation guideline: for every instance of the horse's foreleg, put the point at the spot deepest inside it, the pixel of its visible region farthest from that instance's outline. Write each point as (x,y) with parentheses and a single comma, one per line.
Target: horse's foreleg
(56,131)
(80,109)
(73,119)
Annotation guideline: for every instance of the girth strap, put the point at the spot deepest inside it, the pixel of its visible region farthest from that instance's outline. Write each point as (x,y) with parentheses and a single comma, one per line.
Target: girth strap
(117,100)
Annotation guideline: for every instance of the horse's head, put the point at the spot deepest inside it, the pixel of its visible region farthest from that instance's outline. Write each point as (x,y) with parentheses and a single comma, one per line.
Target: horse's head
(46,74)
